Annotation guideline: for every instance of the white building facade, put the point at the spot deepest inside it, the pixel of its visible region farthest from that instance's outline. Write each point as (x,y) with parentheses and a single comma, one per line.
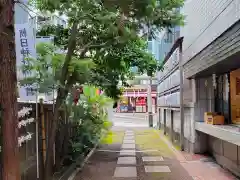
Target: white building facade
(211,72)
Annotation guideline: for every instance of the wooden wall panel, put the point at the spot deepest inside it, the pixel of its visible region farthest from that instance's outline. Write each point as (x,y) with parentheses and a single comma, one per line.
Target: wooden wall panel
(235,95)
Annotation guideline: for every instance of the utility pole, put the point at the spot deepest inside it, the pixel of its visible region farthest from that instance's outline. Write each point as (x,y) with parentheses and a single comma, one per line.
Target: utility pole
(149,100)
(8,93)
(149,95)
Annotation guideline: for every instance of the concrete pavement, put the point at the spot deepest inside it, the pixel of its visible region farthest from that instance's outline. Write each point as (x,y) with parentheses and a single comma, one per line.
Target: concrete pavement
(132,120)
(131,156)
(132,151)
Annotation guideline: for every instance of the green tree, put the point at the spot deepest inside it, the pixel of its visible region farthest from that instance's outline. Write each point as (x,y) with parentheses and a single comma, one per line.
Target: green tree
(107,31)
(43,73)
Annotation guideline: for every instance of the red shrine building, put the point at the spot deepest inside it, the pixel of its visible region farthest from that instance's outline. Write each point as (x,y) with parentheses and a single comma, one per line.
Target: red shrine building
(137,97)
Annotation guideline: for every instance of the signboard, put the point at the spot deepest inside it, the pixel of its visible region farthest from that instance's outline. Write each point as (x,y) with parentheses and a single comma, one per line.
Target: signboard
(141,102)
(24,1)
(25,48)
(25,43)
(139,94)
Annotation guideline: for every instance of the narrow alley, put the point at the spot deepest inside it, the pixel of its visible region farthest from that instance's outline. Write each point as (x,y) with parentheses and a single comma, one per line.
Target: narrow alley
(142,153)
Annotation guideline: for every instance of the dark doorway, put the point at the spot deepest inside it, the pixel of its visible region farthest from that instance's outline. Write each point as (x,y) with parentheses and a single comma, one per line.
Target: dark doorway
(222,97)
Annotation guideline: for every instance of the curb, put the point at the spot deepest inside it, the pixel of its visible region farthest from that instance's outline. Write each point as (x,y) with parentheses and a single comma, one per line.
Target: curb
(70,169)
(73,169)
(177,153)
(74,173)
(78,169)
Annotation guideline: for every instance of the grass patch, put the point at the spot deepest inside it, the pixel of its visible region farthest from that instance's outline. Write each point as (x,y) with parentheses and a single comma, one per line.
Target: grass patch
(175,145)
(168,137)
(150,140)
(113,137)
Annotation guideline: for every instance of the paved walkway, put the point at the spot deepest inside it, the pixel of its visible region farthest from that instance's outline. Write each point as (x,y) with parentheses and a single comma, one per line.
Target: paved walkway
(141,154)
(132,120)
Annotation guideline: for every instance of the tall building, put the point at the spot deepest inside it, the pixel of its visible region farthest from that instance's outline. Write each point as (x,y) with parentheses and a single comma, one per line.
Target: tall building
(161,45)
(158,47)
(211,78)
(154,49)
(49,19)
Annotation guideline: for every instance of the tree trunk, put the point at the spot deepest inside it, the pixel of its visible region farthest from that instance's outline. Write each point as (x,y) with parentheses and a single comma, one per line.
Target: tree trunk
(67,135)
(58,142)
(61,96)
(8,93)
(51,139)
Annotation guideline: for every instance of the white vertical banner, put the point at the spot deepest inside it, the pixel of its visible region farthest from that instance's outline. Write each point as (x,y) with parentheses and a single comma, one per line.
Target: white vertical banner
(25,43)
(24,1)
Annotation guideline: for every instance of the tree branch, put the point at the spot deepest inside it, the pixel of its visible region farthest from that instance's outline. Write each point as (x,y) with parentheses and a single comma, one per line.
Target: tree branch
(98,45)
(70,51)
(91,46)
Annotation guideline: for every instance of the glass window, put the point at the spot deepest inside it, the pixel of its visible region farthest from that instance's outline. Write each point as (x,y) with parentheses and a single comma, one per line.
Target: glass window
(40,18)
(149,38)
(169,37)
(150,46)
(177,35)
(221,100)
(165,54)
(30,91)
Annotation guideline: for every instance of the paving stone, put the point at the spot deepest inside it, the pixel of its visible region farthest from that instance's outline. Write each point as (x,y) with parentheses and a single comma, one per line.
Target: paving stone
(129,141)
(125,172)
(127,153)
(157,169)
(129,137)
(152,158)
(129,134)
(127,160)
(129,131)
(128,146)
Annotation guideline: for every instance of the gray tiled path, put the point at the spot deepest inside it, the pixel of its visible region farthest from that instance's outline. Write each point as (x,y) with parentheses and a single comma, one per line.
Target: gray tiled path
(132,157)
(127,164)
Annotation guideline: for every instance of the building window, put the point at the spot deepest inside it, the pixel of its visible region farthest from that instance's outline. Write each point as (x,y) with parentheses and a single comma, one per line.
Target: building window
(63,23)
(177,35)
(30,91)
(149,38)
(40,18)
(169,37)
(221,100)
(43,18)
(165,54)
(150,46)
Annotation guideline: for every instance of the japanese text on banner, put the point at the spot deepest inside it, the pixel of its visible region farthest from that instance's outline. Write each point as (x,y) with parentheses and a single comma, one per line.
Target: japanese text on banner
(25,43)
